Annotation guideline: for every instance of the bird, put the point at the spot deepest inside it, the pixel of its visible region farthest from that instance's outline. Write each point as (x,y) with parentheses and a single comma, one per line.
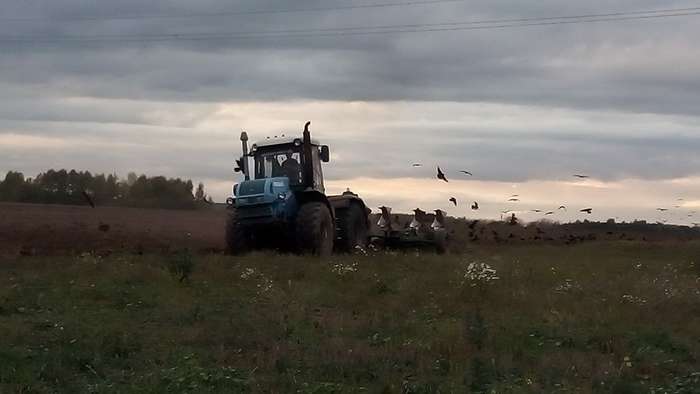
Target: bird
(549,213)
(441,175)
(417,165)
(475,206)
(581,176)
(662,209)
(515,195)
(439,221)
(453,200)
(88,198)
(562,207)
(415,224)
(587,210)
(384,218)
(513,199)
(537,210)
(466,172)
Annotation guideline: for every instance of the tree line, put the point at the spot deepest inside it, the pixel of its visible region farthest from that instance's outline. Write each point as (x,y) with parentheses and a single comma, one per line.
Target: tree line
(81,188)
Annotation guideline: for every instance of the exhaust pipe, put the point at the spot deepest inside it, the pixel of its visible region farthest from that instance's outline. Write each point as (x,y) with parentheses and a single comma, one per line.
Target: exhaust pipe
(244,159)
(308,165)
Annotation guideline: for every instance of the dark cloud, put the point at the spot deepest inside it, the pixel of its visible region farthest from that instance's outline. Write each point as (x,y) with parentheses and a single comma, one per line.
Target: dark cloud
(512,65)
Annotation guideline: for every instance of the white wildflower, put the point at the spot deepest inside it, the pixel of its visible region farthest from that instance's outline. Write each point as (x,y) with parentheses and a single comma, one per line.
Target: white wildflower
(247,273)
(477,273)
(567,286)
(360,250)
(631,299)
(343,269)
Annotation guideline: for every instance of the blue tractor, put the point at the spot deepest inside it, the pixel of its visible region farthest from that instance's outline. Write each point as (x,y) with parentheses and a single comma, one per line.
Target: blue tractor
(281,203)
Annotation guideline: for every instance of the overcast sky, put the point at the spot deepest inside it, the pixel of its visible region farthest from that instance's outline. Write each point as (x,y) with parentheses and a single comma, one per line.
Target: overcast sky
(165,87)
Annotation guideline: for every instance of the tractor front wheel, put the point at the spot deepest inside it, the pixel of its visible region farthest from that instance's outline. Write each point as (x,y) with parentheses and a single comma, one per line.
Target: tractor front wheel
(315,229)
(237,237)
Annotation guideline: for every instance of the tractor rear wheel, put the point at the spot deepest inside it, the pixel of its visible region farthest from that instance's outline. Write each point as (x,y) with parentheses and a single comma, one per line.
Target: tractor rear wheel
(315,231)
(237,237)
(352,227)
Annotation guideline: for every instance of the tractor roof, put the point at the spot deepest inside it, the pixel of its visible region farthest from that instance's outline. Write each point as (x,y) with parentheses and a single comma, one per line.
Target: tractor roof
(268,142)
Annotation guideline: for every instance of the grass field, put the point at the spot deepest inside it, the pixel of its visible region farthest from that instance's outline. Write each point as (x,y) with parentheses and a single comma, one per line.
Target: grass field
(620,317)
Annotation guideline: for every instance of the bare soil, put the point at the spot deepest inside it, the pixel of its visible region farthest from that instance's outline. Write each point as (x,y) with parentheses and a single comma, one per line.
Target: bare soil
(34,229)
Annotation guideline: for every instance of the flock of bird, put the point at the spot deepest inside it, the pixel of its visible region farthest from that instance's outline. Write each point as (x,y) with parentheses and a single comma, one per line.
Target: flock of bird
(516,198)
(513,198)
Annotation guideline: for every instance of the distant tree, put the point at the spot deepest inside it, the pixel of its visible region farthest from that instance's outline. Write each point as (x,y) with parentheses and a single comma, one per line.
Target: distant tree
(131,178)
(199,194)
(11,187)
(67,187)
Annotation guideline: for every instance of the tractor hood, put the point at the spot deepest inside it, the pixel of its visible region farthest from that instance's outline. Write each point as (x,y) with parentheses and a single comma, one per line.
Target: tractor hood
(261,191)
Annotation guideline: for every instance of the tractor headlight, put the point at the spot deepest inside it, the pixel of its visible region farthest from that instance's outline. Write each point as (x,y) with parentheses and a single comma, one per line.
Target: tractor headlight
(297,142)
(282,196)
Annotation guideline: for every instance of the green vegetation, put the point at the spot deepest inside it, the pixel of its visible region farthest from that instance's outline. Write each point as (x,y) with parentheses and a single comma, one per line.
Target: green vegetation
(596,317)
(67,187)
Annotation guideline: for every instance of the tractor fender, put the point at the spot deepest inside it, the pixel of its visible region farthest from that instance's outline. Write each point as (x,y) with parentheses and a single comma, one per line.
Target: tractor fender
(316,196)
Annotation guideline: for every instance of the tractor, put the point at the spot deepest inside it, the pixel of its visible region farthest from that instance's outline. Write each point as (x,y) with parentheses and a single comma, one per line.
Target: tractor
(282,204)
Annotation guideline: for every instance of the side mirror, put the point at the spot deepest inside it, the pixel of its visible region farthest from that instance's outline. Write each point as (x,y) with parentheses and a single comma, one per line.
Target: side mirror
(325,154)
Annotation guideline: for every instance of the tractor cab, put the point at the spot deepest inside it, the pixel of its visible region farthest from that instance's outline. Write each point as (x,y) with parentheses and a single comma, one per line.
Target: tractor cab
(284,158)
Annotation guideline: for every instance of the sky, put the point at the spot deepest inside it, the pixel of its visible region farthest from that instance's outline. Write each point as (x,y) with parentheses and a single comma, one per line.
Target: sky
(165,87)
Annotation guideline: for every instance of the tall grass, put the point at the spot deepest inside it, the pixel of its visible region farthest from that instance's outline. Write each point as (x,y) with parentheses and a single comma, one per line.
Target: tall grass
(598,317)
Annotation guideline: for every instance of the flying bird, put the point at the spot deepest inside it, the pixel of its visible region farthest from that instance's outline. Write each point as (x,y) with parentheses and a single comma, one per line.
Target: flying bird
(475,206)
(515,195)
(513,199)
(562,207)
(417,165)
(441,175)
(662,209)
(549,213)
(466,172)
(587,210)
(537,210)
(453,200)
(581,176)
(88,198)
